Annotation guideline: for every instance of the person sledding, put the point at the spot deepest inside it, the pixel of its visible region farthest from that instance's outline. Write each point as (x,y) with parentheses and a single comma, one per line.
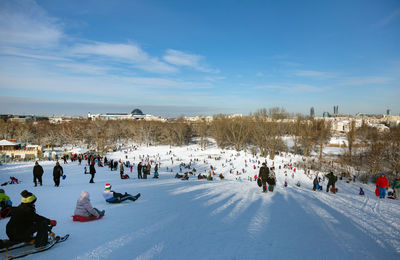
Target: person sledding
(84,210)
(114,197)
(5,205)
(24,222)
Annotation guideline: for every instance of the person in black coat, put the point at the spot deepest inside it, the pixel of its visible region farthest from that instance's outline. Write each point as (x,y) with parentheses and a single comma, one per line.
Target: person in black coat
(263,175)
(139,170)
(25,222)
(57,173)
(37,174)
(92,171)
(331,181)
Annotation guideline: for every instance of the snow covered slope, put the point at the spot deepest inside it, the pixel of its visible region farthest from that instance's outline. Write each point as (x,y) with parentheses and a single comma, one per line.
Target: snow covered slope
(220,219)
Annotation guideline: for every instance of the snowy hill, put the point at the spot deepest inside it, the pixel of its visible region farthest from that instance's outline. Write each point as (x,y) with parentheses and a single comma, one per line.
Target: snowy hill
(220,219)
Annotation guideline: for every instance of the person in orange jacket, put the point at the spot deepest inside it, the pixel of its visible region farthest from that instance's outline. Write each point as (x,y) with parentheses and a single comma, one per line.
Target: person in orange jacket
(382,183)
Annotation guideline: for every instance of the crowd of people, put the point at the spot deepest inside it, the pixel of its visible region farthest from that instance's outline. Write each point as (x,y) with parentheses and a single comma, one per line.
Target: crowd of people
(25,222)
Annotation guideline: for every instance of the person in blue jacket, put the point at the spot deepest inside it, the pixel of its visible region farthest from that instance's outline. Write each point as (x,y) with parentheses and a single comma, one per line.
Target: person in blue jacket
(114,197)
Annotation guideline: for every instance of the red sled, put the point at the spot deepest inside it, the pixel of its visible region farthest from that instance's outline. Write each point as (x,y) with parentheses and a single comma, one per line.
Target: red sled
(377,192)
(85,218)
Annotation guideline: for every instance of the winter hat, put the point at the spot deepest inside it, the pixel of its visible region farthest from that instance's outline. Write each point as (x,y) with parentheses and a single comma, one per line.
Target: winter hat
(108,186)
(382,173)
(2,191)
(27,197)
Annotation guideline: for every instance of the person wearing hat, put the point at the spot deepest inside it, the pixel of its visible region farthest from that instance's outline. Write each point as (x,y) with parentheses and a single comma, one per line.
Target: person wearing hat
(25,222)
(84,207)
(5,204)
(382,183)
(37,174)
(114,197)
(263,175)
(57,173)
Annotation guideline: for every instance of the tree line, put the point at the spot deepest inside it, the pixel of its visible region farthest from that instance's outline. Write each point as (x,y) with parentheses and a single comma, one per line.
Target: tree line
(367,153)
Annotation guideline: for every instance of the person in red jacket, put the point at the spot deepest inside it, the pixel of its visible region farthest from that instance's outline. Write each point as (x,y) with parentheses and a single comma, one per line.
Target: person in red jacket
(382,183)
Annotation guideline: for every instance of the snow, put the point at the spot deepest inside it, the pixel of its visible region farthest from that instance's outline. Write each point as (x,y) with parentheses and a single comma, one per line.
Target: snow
(220,219)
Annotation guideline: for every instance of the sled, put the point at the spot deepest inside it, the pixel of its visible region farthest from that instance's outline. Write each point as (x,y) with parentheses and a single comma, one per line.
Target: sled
(19,250)
(334,190)
(377,192)
(85,218)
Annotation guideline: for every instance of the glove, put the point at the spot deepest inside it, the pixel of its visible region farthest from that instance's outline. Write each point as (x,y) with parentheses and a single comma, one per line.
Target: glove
(53,223)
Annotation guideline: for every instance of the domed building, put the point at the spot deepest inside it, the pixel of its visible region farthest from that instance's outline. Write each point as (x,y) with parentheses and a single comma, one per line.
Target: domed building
(137,112)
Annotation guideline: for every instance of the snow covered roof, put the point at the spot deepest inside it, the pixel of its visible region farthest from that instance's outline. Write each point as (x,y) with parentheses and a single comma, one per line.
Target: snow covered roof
(78,150)
(8,143)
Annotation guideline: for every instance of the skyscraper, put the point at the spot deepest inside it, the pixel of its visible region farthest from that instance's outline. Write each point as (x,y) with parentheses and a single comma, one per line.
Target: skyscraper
(335,110)
(312,113)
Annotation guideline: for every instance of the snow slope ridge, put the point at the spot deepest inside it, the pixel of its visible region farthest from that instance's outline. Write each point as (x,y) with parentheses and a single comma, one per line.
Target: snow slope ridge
(219,219)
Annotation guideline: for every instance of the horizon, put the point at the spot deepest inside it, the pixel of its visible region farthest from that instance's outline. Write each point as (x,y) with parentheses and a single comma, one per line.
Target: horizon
(173,58)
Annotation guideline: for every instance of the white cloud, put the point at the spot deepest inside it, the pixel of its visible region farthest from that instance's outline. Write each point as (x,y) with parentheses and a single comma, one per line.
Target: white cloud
(388,19)
(313,74)
(358,81)
(129,53)
(293,88)
(24,23)
(193,61)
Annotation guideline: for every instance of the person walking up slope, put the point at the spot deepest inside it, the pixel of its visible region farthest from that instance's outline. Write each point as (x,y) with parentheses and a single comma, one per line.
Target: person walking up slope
(37,174)
(92,171)
(263,175)
(57,173)
(382,183)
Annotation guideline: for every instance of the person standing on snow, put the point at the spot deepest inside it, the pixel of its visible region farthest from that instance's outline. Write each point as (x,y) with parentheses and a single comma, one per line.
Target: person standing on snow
(382,183)
(57,173)
(331,181)
(25,222)
(139,170)
(121,169)
(263,175)
(37,173)
(315,183)
(396,187)
(92,171)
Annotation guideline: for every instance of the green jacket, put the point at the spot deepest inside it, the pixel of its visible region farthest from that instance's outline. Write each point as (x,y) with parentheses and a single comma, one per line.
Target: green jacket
(396,184)
(4,198)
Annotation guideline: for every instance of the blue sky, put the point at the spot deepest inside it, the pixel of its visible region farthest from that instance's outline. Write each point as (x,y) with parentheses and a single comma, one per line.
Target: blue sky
(174,58)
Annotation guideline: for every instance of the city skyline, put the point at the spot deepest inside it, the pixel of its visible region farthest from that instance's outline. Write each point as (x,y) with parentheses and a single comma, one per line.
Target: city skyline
(175,58)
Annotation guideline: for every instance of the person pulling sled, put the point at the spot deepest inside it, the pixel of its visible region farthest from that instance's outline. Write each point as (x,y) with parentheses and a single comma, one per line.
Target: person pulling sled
(114,197)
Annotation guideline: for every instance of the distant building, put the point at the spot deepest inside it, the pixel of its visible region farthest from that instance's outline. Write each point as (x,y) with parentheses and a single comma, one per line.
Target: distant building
(13,149)
(136,114)
(388,112)
(335,110)
(326,114)
(312,112)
